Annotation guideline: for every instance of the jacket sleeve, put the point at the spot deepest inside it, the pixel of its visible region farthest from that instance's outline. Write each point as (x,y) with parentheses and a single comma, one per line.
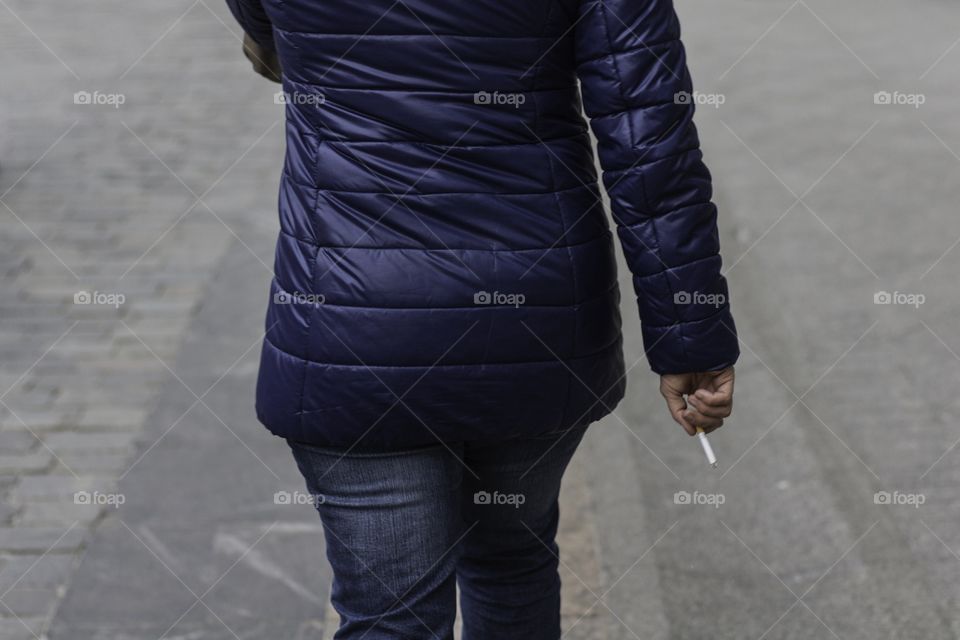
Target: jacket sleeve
(637,93)
(254,20)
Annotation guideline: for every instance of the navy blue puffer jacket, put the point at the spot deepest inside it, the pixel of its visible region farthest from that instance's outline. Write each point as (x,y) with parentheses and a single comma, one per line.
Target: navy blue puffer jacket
(445,269)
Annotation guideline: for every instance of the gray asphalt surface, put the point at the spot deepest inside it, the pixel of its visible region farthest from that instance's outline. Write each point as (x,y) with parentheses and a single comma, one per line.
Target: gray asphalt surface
(833,513)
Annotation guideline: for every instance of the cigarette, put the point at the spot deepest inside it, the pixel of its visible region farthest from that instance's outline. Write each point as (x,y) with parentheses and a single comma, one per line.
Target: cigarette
(707,449)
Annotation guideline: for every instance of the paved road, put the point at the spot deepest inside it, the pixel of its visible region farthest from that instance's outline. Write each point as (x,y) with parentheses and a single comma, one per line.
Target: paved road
(143,200)
(837,519)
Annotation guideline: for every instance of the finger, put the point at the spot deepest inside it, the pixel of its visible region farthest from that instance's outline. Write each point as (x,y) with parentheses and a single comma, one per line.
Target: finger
(717,390)
(723,384)
(712,429)
(678,413)
(705,422)
(712,398)
(711,411)
(677,405)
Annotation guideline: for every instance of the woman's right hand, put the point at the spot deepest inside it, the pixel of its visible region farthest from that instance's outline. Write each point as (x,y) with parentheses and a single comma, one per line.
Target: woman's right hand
(699,399)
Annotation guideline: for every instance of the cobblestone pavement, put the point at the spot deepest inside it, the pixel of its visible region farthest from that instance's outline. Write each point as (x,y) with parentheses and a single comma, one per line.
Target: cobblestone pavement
(113,213)
(836,187)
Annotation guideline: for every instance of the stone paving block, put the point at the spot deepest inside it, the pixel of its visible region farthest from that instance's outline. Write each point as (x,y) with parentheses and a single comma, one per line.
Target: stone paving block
(81,349)
(26,397)
(40,539)
(35,571)
(155,326)
(17,441)
(88,442)
(8,512)
(29,309)
(110,417)
(162,347)
(52,292)
(172,306)
(78,399)
(37,326)
(96,427)
(183,286)
(25,462)
(37,420)
(56,488)
(55,514)
(89,462)
(27,602)
(25,628)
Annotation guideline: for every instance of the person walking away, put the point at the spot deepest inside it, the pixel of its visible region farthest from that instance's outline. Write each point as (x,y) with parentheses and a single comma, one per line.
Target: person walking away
(444,319)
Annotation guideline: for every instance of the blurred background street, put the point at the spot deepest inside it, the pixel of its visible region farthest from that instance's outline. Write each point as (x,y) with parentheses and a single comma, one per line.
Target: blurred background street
(139,162)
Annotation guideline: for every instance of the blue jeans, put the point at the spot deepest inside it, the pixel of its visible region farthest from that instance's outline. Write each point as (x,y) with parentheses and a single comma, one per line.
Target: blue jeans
(403,528)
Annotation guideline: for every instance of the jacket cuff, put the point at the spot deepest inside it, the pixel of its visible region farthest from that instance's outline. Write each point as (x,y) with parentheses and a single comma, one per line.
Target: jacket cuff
(693,346)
